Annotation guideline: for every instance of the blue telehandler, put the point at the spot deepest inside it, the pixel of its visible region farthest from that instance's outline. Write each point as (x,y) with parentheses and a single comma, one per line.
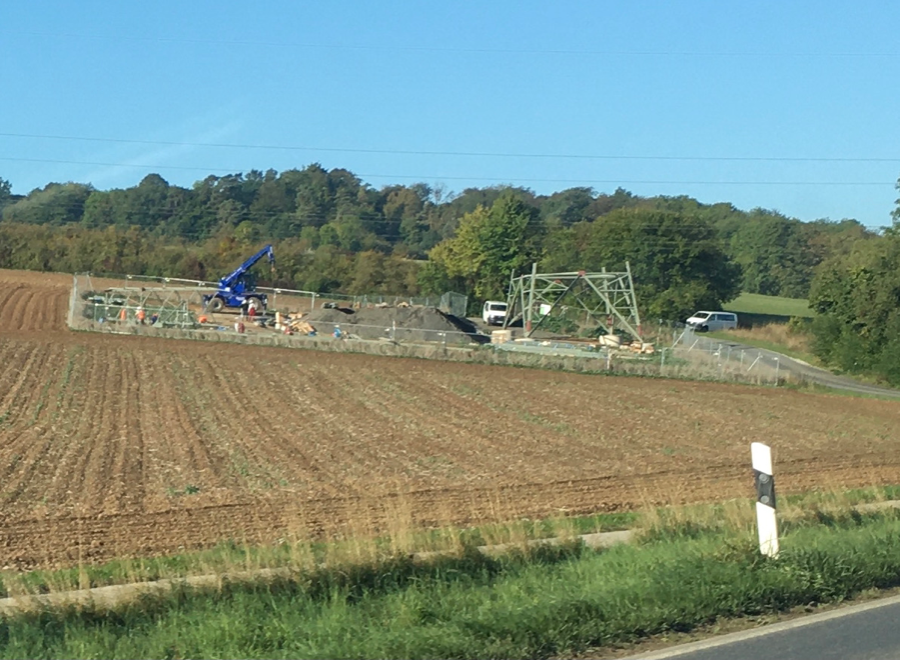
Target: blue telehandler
(239,289)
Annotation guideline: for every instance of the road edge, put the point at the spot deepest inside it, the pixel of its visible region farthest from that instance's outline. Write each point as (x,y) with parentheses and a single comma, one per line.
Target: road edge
(766,629)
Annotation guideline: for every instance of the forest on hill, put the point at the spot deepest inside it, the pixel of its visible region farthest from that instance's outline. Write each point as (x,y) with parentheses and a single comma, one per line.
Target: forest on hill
(332,232)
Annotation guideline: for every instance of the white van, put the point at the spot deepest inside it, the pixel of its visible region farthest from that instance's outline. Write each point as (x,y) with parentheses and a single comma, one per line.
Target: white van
(712,321)
(493,312)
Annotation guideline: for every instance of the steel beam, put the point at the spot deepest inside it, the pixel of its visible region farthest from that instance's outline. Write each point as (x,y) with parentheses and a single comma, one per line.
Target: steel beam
(604,294)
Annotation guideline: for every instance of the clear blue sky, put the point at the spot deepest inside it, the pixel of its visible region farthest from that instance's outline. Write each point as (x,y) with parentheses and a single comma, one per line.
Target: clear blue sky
(353,84)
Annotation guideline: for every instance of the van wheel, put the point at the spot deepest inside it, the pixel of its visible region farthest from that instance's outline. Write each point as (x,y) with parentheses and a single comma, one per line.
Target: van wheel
(704,328)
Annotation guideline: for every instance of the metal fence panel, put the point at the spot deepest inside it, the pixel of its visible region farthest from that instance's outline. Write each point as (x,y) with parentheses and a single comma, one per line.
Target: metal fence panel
(111,305)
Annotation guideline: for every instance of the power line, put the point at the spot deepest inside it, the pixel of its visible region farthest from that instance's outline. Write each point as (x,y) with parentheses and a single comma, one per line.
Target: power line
(666,245)
(474,178)
(456,49)
(431,212)
(429,215)
(474,154)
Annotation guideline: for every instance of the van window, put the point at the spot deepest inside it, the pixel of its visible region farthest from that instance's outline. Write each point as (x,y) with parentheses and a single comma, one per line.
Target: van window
(498,307)
(702,315)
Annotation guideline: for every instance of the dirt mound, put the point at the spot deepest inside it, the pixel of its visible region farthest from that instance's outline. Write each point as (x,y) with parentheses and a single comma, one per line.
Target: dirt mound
(405,323)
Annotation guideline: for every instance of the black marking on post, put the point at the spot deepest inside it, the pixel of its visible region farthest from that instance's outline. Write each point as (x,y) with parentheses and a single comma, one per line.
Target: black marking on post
(765,488)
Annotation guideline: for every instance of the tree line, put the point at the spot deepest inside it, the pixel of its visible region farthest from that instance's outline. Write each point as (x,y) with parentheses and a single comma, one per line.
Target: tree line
(334,233)
(856,297)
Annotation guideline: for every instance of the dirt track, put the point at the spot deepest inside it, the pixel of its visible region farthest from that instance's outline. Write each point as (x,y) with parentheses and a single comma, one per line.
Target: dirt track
(124,445)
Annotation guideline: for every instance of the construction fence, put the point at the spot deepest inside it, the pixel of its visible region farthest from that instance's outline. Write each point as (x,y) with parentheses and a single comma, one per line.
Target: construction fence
(134,303)
(292,300)
(174,310)
(724,360)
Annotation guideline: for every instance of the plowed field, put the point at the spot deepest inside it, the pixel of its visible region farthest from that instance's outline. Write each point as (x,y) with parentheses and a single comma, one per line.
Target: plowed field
(116,445)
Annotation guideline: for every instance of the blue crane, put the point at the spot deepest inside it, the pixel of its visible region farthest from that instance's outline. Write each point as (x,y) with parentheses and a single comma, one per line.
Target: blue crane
(239,288)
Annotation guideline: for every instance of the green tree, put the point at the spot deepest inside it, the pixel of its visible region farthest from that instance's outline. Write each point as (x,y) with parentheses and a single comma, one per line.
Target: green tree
(567,207)
(368,273)
(54,204)
(272,209)
(895,214)
(857,300)
(403,210)
(827,239)
(314,201)
(489,246)
(856,295)
(774,254)
(676,261)
(604,204)
(5,193)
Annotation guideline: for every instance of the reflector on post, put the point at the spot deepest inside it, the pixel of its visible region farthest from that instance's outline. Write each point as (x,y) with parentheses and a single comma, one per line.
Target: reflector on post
(765,498)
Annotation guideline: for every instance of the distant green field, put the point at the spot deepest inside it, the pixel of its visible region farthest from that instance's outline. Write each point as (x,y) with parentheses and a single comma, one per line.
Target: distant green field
(755,309)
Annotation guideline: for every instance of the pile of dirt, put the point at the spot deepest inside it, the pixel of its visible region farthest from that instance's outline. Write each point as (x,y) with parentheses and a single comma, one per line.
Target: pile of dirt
(404,323)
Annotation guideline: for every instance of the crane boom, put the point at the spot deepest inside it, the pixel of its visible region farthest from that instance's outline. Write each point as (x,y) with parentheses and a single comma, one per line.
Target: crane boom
(229,281)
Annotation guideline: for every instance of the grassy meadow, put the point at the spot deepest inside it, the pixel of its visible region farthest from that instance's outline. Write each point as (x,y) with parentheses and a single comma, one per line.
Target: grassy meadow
(776,306)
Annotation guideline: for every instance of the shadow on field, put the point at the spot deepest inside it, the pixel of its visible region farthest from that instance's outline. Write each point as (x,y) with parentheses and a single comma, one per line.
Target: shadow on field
(748,321)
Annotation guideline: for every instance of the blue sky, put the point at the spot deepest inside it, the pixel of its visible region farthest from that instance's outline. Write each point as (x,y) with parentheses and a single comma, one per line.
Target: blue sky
(716,100)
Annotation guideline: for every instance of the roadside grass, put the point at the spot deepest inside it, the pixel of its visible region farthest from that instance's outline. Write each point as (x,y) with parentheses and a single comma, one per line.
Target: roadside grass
(538,603)
(777,337)
(301,554)
(298,552)
(758,304)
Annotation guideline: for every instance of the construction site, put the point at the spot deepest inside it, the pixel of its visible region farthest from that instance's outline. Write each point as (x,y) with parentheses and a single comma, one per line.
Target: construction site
(578,321)
(236,304)
(112,305)
(581,315)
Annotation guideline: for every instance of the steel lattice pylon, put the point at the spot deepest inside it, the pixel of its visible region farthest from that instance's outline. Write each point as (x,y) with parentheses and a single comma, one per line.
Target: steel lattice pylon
(607,297)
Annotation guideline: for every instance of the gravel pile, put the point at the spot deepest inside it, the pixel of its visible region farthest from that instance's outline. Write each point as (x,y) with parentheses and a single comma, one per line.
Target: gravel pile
(411,323)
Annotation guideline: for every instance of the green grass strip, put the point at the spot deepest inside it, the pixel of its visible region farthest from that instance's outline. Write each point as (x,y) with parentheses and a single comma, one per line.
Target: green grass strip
(547,602)
(755,303)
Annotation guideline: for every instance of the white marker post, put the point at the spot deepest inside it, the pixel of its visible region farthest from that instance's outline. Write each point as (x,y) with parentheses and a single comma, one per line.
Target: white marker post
(765,499)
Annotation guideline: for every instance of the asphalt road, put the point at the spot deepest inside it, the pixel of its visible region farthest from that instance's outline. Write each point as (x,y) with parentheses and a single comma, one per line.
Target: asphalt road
(863,632)
(800,369)
(797,368)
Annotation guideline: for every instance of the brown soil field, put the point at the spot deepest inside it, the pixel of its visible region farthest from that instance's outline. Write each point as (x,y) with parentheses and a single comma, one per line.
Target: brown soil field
(123,446)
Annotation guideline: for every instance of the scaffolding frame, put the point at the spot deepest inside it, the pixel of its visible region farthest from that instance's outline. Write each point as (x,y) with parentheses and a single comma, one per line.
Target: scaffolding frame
(608,298)
(171,305)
